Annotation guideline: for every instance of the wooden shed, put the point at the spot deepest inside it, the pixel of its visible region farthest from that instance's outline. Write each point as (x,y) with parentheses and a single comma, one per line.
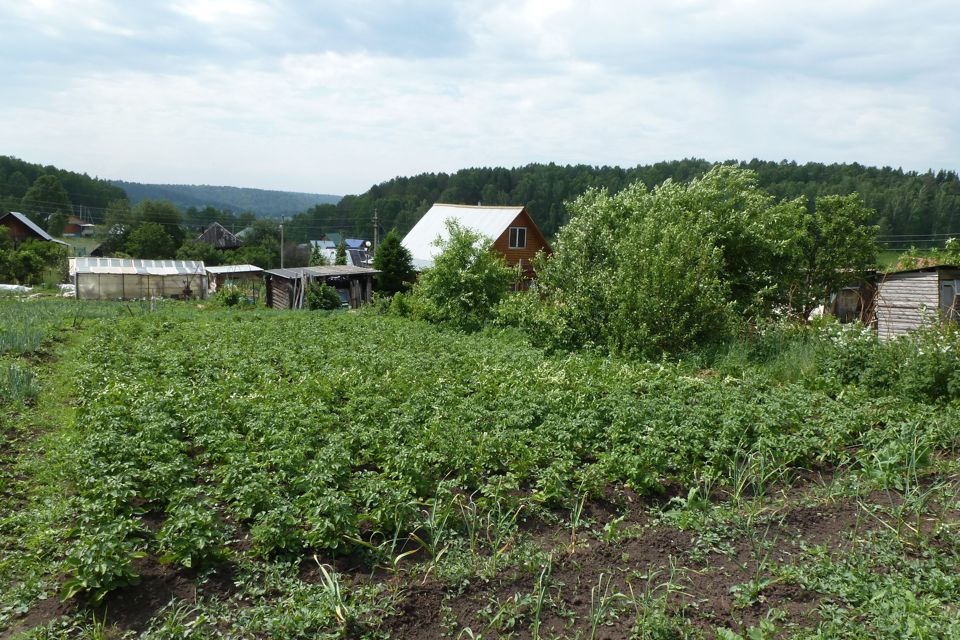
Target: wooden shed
(908,300)
(219,237)
(286,288)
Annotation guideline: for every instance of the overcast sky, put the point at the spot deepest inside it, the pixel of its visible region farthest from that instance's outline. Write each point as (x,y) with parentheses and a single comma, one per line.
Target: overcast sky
(334,96)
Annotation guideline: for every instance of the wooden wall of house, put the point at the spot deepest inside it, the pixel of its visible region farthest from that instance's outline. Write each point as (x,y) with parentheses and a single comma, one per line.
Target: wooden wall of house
(905,301)
(535,242)
(18,231)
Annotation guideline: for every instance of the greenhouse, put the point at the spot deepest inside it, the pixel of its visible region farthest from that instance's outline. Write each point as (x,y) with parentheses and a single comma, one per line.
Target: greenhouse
(129,279)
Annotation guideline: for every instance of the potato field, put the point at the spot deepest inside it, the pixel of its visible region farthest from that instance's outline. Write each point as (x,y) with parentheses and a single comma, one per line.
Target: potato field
(197,472)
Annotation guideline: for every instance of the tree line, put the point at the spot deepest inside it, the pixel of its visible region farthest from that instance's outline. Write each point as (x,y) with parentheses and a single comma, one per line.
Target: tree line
(905,203)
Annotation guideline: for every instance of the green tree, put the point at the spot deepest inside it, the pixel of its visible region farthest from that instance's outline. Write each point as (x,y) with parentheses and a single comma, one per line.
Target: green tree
(341,257)
(395,264)
(837,248)
(57,224)
(201,252)
(466,282)
(150,241)
(162,213)
(45,197)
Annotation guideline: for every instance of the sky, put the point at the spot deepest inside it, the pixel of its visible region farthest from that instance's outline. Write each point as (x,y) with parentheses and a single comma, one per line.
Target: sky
(335,96)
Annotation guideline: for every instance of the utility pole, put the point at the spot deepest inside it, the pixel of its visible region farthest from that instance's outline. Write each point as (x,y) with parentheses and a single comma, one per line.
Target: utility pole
(376,230)
(281,242)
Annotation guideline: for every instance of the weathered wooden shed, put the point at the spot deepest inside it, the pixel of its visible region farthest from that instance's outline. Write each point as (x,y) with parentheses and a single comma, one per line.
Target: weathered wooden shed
(908,300)
(286,288)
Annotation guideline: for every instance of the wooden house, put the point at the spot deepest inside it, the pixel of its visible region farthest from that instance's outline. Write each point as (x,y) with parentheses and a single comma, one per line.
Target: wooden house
(287,288)
(908,300)
(514,233)
(21,228)
(219,237)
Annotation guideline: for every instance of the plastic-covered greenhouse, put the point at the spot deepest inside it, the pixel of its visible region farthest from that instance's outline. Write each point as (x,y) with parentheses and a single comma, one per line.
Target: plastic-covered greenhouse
(127,279)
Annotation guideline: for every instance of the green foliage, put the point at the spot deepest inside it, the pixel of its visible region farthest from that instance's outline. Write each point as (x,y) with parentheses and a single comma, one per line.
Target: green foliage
(45,198)
(321,296)
(163,214)
(317,259)
(229,296)
(193,534)
(102,558)
(341,256)
(150,241)
(32,261)
(200,251)
(395,264)
(465,284)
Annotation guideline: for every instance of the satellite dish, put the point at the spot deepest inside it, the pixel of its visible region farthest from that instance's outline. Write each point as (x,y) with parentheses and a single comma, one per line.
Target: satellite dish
(367,244)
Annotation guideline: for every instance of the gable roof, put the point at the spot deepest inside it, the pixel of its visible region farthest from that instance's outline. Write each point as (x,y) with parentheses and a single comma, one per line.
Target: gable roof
(219,236)
(43,235)
(488,221)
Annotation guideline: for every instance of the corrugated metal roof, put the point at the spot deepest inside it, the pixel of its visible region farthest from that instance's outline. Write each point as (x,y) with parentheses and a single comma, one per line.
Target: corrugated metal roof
(488,221)
(327,270)
(234,268)
(128,266)
(33,227)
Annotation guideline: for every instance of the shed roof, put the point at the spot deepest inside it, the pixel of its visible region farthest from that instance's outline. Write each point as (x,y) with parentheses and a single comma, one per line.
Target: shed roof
(129,266)
(488,221)
(30,224)
(234,268)
(326,270)
(935,267)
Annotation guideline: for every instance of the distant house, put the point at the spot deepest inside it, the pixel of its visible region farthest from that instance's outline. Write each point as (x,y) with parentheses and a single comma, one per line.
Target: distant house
(515,235)
(358,255)
(219,237)
(22,228)
(77,228)
(908,300)
(287,288)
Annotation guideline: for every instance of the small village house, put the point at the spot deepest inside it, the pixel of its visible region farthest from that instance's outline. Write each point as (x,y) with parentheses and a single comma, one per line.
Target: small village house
(287,288)
(21,228)
(908,300)
(514,233)
(219,237)
(130,279)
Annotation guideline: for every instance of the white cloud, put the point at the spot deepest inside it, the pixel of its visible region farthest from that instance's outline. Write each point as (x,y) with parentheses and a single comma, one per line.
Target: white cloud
(601,83)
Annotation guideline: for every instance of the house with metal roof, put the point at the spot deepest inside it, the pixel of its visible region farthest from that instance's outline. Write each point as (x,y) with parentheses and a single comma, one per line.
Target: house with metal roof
(129,279)
(514,233)
(22,228)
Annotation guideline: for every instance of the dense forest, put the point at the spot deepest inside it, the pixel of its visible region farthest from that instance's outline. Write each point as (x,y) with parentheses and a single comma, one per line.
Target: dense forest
(907,203)
(17,176)
(263,202)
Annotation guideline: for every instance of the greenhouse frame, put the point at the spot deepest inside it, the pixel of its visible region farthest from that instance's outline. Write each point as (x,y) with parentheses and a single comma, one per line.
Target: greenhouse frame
(130,279)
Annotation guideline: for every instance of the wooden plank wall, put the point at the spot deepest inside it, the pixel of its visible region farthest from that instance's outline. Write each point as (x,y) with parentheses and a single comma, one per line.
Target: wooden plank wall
(278,291)
(906,301)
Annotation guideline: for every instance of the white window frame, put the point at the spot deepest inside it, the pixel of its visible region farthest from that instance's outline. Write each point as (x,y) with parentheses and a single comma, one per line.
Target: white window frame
(510,239)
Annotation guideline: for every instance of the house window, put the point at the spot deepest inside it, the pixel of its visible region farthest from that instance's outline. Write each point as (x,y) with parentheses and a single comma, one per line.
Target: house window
(518,237)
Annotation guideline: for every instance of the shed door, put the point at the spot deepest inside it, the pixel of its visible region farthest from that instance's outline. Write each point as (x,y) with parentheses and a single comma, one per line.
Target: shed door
(948,299)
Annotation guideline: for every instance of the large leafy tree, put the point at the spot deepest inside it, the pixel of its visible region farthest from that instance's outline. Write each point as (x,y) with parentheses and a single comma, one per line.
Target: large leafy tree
(395,264)
(466,282)
(162,213)
(662,271)
(151,241)
(45,198)
(837,247)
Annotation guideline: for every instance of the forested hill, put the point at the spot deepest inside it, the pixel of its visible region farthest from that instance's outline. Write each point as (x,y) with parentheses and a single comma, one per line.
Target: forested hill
(263,202)
(17,176)
(907,203)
